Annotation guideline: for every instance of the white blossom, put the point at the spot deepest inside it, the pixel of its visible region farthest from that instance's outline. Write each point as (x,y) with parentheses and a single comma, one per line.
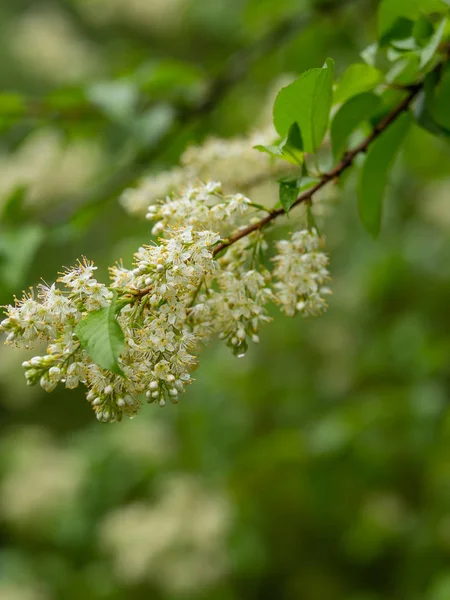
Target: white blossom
(233,161)
(301,274)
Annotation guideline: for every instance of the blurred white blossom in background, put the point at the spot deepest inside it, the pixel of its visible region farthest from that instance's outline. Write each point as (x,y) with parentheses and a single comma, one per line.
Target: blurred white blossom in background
(155,15)
(17,591)
(42,479)
(45,41)
(49,166)
(179,541)
(143,440)
(232,161)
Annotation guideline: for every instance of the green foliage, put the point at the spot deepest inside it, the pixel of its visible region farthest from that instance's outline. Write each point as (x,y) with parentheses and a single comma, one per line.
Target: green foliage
(375,171)
(359,108)
(102,337)
(288,192)
(438,96)
(307,102)
(290,148)
(430,110)
(357,78)
(390,11)
(431,47)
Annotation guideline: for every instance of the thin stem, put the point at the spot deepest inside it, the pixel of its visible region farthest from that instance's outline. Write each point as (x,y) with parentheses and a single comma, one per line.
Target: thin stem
(331,175)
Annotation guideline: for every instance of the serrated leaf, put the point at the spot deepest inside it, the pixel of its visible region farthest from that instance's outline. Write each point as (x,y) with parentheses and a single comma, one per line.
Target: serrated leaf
(430,49)
(102,337)
(288,193)
(375,170)
(357,78)
(351,114)
(307,102)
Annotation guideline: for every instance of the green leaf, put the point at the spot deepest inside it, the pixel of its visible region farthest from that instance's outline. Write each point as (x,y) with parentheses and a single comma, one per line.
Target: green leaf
(401,29)
(425,120)
(289,149)
(437,90)
(422,30)
(423,108)
(357,78)
(374,173)
(288,193)
(390,11)
(274,150)
(292,146)
(409,43)
(307,182)
(307,102)
(102,337)
(405,70)
(430,49)
(351,114)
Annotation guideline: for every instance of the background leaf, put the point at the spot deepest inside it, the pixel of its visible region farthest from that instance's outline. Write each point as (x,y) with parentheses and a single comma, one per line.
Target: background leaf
(375,171)
(391,10)
(430,49)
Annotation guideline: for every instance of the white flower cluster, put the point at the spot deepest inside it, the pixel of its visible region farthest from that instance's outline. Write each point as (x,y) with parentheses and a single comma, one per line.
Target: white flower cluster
(178,541)
(233,161)
(236,308)
(301,273)
(176,295)
(203,206)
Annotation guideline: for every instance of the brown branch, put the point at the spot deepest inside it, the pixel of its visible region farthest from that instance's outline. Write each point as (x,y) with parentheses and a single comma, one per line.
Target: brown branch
(331,175)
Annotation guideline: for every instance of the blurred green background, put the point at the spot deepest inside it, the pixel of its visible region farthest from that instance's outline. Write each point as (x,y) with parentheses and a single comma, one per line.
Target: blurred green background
(317,467)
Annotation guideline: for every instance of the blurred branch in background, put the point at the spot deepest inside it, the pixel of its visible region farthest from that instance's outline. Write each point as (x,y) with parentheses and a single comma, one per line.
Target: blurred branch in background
(169,121)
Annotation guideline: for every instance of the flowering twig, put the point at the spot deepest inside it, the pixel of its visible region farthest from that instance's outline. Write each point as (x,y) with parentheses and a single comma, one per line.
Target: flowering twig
(331,175)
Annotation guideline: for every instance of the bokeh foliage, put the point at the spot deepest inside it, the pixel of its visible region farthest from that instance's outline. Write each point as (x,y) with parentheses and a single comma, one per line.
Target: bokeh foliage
(318,466)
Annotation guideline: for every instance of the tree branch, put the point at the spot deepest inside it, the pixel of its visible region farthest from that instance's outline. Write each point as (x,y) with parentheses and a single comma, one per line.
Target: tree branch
(331,175)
